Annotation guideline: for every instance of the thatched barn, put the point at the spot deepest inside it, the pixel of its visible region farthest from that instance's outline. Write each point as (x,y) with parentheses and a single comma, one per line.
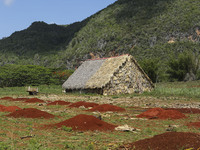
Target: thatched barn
(109,76)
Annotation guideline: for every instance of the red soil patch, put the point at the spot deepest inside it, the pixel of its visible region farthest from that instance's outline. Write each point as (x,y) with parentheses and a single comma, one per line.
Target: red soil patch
(82,103)
(194,124)
(160,113)
(167,141)
(20,99)
(14,99)
(186,110)
(106,107)
(30,113)
(83,123)
(34,100)
(2,107)
(171,114)
(6,98)
(11,109)
(151,113)
(59,103)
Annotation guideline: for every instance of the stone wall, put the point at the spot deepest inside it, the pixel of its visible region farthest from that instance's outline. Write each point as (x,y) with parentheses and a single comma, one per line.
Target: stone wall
(86,91)
(128,79)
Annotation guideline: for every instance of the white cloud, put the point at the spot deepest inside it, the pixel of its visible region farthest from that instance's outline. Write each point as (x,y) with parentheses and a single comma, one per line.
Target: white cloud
(8,2)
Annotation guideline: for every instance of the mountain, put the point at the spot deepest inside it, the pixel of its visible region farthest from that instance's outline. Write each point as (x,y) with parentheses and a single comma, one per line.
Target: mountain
(139,26)
(146,29)
(37,43)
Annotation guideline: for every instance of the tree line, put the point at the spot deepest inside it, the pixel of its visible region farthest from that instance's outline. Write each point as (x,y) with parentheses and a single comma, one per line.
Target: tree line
(23,75)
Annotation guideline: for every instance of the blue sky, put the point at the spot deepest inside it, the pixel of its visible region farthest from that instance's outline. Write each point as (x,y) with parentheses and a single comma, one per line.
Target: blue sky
(16,15)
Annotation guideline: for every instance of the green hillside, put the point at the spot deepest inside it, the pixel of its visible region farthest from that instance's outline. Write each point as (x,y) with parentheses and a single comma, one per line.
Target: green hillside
(139,27)
(37,44)
(153,31)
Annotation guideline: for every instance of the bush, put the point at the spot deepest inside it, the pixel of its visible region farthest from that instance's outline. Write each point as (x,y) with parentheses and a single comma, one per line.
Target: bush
(178,68)
(151,68)
(60,76)
(22,75)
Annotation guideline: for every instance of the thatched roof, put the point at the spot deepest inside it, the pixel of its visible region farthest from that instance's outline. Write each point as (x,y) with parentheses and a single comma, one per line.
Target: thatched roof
(105,72)
(80,77)
(97,73)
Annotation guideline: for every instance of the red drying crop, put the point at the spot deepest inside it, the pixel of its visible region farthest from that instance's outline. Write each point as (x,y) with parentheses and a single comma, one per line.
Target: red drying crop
(160,113)
(20,99)
(59,103)
(194,124)
(34,100)
(151,113)
(30,113)
(82,103)
(169,140)
(84,122)
(2,107)
(171,114)
(6,98)
(9,108)
(106,107)
(186,110)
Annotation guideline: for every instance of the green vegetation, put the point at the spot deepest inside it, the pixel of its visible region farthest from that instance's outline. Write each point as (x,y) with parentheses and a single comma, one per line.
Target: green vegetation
(151,67)
(13,129)
(185,63)
(21,91)
(184,91)
(67,129)
(24,75)
(150,30)
(165,89)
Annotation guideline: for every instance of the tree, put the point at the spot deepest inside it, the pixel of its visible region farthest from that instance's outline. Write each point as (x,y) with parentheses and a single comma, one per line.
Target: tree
(185,63)
(151,68)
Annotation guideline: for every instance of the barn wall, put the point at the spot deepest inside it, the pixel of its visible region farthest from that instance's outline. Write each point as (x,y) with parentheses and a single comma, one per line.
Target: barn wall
(96,90)
(129,79)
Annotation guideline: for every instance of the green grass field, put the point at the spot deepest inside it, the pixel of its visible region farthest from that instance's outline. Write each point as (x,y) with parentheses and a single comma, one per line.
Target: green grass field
(23,133)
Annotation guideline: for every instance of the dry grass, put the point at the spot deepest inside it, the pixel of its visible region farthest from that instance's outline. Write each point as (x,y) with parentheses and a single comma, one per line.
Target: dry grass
(12,129)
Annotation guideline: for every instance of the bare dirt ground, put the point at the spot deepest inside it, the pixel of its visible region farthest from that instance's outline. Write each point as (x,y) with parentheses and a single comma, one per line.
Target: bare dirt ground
(140,101)
(26,133)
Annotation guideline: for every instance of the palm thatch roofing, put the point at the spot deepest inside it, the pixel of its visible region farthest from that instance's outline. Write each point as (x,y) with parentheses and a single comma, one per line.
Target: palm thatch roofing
(97,73)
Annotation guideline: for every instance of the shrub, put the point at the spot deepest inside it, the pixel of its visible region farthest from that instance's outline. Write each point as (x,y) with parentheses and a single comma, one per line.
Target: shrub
(22,75)
(151,68)
(60,76)
(185,63)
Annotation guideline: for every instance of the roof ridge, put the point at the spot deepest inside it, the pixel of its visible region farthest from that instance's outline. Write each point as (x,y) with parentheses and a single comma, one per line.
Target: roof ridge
(106,57)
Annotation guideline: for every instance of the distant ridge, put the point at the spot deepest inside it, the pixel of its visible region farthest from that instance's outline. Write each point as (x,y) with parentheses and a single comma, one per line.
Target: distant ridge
(146,29)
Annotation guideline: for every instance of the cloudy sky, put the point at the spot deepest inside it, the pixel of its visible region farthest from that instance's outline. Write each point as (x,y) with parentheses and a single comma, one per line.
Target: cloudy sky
(17,15)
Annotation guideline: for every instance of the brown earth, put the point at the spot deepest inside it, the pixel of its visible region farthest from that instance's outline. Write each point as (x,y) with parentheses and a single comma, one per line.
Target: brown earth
(83,103)
(20,99)
(10,109)
(84,122)
(159,113)
(151,113)
(186,110)
(167,141)
(30,113)
(59,103)
(194,124)
(34,100)
(6,98)
(2,107)
(106,107)
(14,99)
(136,102)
